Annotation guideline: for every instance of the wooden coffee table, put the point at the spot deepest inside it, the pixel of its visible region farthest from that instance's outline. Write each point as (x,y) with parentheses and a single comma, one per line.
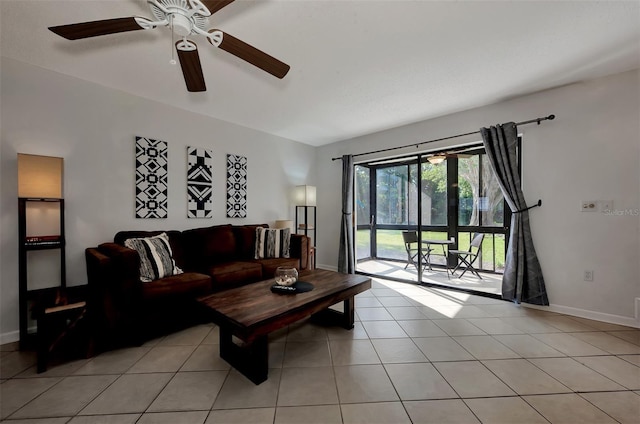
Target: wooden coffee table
(251,312)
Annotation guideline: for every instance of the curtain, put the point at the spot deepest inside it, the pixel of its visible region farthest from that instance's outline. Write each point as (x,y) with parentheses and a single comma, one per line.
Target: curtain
(346,258)
(522,280)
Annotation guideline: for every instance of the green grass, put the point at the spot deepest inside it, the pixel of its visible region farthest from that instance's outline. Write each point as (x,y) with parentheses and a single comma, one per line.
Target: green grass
(390,245)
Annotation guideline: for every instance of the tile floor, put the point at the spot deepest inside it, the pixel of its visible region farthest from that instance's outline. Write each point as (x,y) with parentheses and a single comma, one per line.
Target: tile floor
(416,355)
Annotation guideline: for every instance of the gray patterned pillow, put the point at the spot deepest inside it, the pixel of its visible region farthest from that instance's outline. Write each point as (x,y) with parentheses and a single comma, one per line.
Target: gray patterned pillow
(156,257)
(272,243)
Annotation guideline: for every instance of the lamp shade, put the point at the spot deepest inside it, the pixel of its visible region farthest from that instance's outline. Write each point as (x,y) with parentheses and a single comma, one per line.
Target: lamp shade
(40,177)
(305,195)
(436,159)
(284,223)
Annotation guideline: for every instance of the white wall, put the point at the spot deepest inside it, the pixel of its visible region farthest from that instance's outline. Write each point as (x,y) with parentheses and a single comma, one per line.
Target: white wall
(93,129)
(590,152)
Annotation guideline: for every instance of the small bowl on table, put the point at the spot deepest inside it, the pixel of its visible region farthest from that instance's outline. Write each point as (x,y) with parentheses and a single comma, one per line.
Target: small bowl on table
(286,276)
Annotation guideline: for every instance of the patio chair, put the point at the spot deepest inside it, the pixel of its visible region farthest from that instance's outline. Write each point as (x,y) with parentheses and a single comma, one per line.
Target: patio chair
(411,237)
(468,257)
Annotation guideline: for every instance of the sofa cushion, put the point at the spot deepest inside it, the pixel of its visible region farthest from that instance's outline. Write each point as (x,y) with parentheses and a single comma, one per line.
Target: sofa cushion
(246,239)
(233,274)
(175,240)
(269,265)
(187,284)
(272,243)
(156,257)
(209,245)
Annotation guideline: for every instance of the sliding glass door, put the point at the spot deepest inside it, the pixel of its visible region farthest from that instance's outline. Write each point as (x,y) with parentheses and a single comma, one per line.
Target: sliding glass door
(448,200)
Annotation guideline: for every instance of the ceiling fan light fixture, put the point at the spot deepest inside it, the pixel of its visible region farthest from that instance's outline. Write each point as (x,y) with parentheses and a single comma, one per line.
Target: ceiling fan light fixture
(436,159)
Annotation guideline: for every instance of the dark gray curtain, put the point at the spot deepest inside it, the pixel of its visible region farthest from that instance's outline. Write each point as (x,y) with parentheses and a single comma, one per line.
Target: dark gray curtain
(522,280)
(346,258)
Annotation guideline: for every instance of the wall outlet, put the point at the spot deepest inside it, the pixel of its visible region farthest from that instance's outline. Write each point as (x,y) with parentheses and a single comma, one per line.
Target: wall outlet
(589,206)
(588,276)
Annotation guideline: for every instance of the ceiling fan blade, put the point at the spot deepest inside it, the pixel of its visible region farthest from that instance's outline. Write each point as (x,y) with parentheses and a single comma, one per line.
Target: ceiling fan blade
(215,5)
(252,55)
(96,28)
(190,64)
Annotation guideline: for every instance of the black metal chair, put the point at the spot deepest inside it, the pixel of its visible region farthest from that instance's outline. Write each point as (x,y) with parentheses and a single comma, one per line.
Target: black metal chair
(468,257)
(411,237)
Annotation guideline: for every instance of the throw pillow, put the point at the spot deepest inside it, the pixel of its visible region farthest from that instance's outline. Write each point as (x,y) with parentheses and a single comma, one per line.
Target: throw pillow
(156,257)
(272,243)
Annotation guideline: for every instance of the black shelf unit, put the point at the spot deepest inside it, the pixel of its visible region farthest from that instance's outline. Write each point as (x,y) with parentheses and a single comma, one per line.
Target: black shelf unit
(302,222)
(29,299)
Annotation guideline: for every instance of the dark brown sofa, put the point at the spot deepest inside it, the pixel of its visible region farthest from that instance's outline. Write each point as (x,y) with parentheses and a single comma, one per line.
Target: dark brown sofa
(123,310)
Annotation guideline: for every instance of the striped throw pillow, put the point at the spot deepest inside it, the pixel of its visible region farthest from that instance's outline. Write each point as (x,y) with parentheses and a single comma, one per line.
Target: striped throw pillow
(272,243)
(156,257)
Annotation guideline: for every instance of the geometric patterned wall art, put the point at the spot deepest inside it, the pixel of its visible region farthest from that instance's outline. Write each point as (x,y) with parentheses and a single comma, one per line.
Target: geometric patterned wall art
(151,178)
(199,182)
(236,186)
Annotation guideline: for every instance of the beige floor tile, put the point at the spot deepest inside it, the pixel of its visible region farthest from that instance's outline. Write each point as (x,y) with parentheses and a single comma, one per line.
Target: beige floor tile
(531,325)
(374,413)
(213,337)
(460,311)
(458,327)
(356,333)
(442,349)
(190,417)
(242,416)
(447,411)
(239,392)
(405,312)
(113,362)
(600,325)
(278,336)
(393,351)
(524,377)
(472,379)
(66,398)
(10,347)
(569,345)
(421,328)
(373,314)
(504,310)
(16,362)
(58,420)
(394,301)
(504,410)
(527,346)
(494,326)
(322,414)
(192,336)
(364,383)
(307,386)
(162,359)
(367,302)
(567,324)
(616,369)
(632,336)
(307,354)
(131,393)
(353,352)
(61,368)
(574,375)
(419,382)
(608,343)
(623,406)
(305,331)
(567,409)
(633,359)
(276,355)
(16,393)
(196,390)
(206,357)
(383,330)
(384,292)
(485,347)
(106,419)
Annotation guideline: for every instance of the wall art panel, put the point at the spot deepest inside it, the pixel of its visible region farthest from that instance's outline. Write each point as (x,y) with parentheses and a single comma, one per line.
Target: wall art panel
(151,178)
(199,182)
(236,186)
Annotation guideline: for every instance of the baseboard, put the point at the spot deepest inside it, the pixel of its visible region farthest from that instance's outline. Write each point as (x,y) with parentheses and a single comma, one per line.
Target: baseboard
(10,337)
(584,313)
(327,267)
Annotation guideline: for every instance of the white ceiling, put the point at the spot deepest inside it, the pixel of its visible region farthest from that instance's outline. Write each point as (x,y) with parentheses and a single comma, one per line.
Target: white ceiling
(357,67)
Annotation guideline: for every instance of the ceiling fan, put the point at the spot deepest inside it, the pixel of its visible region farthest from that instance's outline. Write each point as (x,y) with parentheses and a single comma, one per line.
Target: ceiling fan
(185,18)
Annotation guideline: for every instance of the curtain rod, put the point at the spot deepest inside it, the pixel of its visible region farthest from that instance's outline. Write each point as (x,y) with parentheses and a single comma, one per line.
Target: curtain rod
(531,121)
